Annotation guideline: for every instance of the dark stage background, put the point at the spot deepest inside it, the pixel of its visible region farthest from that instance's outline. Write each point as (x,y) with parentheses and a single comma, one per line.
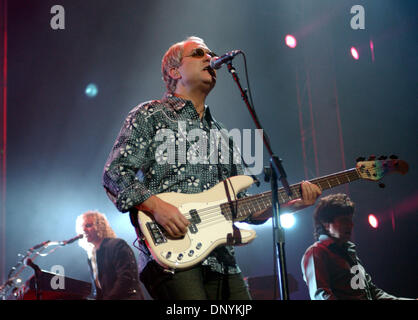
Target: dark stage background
(321,108)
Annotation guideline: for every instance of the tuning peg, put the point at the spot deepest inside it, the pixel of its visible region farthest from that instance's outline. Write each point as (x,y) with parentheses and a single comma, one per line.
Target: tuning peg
(393,157)
(372,157)
(382,158)
(382,185)
(360,159)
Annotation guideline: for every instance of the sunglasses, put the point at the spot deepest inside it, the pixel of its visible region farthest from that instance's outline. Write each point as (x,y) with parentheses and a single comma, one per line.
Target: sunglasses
(200,53)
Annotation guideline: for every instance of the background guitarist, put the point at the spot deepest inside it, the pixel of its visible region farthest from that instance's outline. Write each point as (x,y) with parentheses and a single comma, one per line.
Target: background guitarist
(331,267)
(189,79)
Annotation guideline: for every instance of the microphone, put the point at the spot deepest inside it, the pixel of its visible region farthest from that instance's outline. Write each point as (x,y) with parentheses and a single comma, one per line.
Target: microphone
(217,62)
(63,243)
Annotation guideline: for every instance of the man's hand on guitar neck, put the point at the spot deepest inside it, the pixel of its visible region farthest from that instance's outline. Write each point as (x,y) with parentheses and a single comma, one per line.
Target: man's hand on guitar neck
(310,192)
(167,215)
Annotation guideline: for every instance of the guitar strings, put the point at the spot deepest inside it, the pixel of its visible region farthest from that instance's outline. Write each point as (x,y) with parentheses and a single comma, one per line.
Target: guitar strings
(267,195)
(211,214)
(209,210)
(214,214)
(260,196)
(353,173)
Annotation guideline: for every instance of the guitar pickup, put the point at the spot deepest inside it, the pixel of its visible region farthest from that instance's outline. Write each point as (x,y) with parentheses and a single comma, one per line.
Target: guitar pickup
(194,217)
(193,228)
(157,235)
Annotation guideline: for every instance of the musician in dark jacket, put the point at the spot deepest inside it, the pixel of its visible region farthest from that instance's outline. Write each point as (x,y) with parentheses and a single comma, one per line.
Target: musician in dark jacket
(113,267)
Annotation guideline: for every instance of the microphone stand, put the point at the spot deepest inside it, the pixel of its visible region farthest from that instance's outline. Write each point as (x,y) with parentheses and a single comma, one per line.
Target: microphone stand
(38,276)
(277,172)
(27,260)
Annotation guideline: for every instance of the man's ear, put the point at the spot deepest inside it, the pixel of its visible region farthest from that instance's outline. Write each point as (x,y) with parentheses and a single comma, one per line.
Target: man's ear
(174,73)
(326,226)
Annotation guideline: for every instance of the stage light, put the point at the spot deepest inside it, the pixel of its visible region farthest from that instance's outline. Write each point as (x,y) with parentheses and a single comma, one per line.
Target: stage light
(91,90)
(354,53)
(290,41)
(287,220)
(372,49)
(374,223)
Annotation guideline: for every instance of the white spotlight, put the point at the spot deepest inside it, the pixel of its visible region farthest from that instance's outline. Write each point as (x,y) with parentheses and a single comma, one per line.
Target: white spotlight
(290,41)
(287,220)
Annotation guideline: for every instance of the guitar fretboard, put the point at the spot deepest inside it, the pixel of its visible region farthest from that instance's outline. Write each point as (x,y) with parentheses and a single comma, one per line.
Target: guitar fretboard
(240,209)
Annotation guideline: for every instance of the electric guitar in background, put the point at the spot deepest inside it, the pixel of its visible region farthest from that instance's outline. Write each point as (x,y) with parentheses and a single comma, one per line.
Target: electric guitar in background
(212,213)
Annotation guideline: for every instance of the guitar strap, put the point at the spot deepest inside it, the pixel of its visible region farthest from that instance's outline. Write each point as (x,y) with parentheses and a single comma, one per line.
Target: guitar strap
(230,200)
(233,149)
(235,238)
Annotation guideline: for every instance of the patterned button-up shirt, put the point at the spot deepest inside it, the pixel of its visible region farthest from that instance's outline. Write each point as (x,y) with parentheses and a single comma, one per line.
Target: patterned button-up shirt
(154,154)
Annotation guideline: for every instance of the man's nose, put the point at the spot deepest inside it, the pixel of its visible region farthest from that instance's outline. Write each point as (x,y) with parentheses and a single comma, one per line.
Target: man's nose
(207,56)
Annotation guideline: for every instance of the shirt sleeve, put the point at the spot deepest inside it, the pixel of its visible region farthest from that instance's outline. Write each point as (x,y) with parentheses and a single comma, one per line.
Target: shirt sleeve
(129,155)
(316,275)
(379,294)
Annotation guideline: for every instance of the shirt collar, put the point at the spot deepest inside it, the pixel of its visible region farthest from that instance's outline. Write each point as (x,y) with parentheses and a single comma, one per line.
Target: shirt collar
(330,241)
(178,104)
(174,102)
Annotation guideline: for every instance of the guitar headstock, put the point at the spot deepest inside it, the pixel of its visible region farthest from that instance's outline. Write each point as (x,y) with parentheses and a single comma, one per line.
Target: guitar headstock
(376,169)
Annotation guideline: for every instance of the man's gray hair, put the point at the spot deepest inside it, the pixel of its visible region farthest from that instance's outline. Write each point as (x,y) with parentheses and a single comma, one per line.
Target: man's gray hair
(172,59)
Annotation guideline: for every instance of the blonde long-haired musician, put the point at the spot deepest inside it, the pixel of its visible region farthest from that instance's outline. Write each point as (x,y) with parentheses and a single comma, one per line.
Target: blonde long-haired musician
(112,263)
(101,227)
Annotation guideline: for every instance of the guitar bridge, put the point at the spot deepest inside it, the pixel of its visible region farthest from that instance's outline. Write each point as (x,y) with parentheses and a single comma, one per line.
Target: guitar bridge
(157,235)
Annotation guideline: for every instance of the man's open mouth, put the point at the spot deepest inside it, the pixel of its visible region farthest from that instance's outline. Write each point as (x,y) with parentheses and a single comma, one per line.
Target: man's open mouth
(211,71)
